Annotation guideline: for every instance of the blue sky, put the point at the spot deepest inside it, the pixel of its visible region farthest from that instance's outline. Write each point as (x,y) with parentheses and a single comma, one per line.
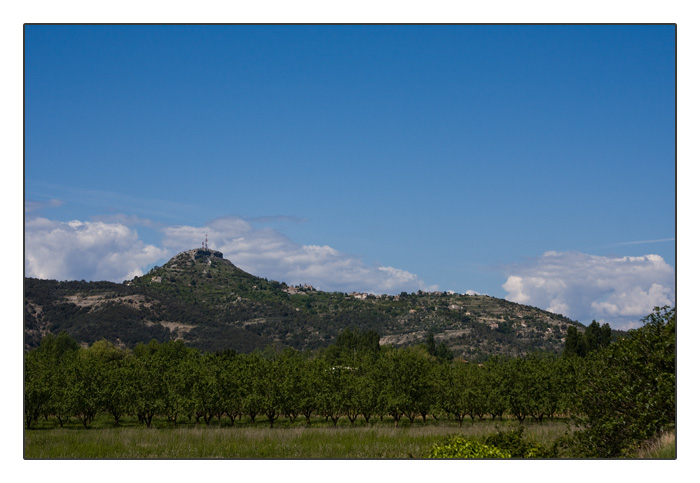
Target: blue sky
(534,163)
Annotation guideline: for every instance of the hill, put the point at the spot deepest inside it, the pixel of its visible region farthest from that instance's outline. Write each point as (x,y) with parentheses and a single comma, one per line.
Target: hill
(211,304)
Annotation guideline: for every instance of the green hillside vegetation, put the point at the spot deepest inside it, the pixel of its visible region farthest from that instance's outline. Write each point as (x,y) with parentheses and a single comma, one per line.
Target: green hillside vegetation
(209,303)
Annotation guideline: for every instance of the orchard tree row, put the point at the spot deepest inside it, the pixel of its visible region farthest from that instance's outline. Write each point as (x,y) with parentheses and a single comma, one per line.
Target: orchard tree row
(616,394)
(173,381)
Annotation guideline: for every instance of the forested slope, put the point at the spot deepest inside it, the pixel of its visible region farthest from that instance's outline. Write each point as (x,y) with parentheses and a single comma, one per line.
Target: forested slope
(210,304)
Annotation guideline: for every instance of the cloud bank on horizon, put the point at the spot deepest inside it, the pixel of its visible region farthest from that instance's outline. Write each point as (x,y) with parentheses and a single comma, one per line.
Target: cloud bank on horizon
(100,250)
(268,253)
(616,290)
(78,250)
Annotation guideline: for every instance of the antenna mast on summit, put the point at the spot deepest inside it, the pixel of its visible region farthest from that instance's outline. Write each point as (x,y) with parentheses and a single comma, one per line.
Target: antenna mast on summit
(205,243)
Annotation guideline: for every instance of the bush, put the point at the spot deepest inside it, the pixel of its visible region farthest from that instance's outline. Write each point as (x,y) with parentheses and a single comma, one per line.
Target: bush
(462,448)
(513,443)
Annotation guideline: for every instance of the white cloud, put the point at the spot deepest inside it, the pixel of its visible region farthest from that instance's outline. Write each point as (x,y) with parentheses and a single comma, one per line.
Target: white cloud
(109,249)
(267,253)
(78,250)
(617,290)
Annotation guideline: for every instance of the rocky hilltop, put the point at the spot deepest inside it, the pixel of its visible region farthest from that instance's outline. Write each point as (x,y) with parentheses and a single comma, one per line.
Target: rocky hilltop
(204,299)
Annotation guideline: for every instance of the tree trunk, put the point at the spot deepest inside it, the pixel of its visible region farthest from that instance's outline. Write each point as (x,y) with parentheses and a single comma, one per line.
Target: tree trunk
(272,416)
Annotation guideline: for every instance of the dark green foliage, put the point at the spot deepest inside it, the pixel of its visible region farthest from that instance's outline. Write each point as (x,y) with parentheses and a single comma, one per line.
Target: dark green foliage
(441,352)
(86,375)
(407,386)
(574,345)
(463,391)
(533,386)
(223,336)
(354,341)
(495,374)
(47,372)
(627,392)
(543,381)
(593,338)
(350,345)
(513,443)
(37,391)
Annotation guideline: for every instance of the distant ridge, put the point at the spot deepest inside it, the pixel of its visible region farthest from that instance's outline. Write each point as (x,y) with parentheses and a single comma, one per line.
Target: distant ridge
(205,300)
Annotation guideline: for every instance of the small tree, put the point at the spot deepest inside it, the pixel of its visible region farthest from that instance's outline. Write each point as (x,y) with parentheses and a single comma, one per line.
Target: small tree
(454,390)
(36,389)
(116,391)
(205,389)
(495,386)
(46,378)
(291,368)
(145,371)
(250,371)
(331,397)
(231,387)
(85,375)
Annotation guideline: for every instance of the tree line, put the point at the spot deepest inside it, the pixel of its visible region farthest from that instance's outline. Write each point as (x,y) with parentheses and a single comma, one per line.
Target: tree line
(615,394)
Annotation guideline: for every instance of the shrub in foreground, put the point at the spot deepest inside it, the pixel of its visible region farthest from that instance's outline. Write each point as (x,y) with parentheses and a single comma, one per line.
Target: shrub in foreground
(458,447)
(513,443)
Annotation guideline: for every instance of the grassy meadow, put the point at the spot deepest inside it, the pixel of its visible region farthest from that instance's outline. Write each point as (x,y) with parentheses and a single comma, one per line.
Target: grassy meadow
(247,440)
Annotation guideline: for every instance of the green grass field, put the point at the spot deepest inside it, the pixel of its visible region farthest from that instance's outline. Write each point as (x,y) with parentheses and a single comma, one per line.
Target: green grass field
(254,441)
